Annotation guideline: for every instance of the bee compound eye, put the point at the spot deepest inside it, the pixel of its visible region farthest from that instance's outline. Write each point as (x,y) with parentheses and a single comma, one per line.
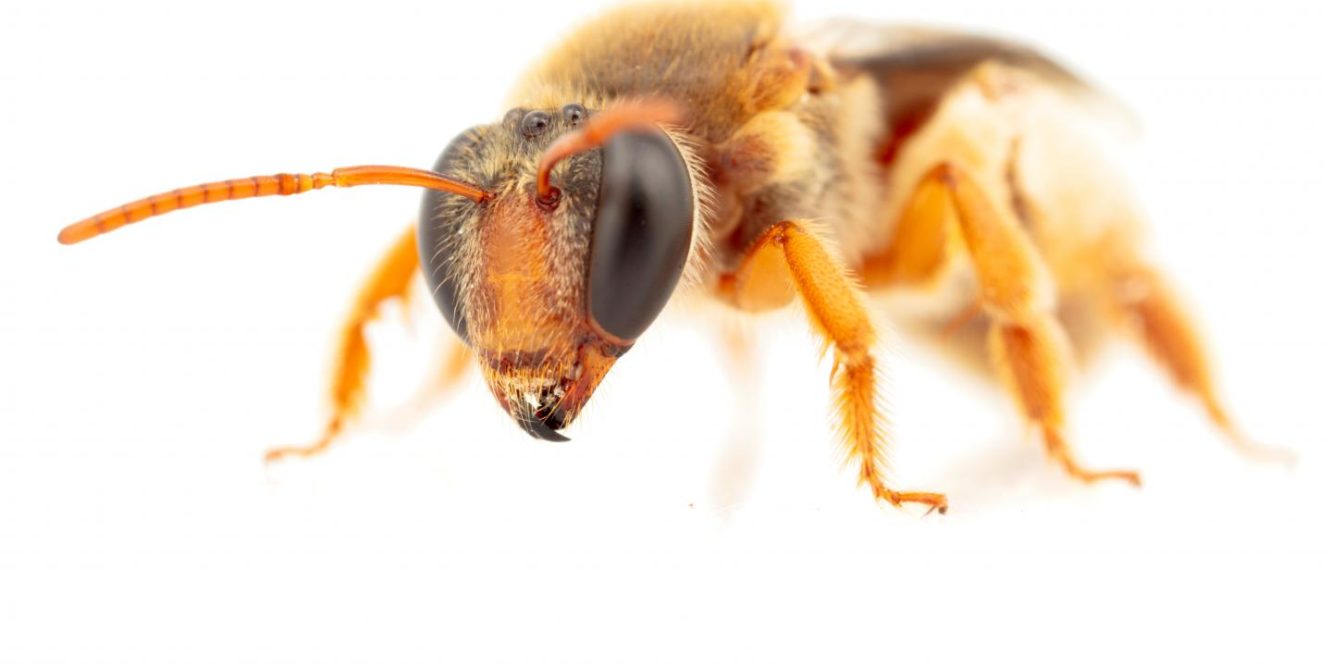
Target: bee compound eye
(641,233)
(436,236)
(535,123)
(436,257)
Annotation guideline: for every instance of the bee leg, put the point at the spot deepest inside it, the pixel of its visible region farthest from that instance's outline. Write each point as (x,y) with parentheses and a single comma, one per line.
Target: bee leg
(1146,304)
(456,363)
(1031,358)
(1027,345)
(392,278)
(733,474)
(787,260)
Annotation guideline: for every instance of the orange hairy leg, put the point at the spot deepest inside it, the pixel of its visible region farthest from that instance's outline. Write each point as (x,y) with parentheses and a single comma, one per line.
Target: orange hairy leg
(392,278)
(732,476)
(786,259)
(453,366)
(1027,345)
(456,363)
(1145,303)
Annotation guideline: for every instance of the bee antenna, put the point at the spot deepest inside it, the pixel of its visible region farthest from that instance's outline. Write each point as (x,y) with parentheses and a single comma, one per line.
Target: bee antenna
(635,114)
(261,186)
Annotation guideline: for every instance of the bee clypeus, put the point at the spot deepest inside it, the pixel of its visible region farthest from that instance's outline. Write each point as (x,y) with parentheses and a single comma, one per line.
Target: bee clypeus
(661,148)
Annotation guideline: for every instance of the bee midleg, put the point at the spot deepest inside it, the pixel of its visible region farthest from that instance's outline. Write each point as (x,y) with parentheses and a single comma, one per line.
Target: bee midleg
(1145,304)
(391,279)
(1027,345)
(786,260)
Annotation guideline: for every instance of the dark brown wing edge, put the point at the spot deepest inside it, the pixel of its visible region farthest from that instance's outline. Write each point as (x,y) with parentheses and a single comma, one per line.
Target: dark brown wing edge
(916,66)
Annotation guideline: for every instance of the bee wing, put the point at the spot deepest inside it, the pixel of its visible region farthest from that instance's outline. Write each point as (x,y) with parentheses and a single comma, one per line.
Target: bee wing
(917,65)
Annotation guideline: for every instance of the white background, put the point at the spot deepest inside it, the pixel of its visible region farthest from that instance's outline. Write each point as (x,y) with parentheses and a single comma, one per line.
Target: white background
(143,375)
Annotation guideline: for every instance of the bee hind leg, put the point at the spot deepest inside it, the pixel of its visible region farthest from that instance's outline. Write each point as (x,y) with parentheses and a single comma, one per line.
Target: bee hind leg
(1146,305)
(785,261)
(1027,345)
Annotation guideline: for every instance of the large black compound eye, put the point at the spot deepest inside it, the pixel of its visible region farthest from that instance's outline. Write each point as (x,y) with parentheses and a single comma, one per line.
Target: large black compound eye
(641,233)
(435,241)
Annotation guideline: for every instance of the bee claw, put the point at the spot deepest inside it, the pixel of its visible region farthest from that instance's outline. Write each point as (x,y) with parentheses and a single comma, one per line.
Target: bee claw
(934,501)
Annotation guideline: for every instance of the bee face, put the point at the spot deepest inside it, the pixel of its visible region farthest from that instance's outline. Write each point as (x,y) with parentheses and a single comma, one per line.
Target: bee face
(549,291)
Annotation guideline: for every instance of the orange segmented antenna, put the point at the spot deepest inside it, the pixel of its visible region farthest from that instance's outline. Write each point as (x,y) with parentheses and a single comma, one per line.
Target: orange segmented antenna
(261,186)
(600,127)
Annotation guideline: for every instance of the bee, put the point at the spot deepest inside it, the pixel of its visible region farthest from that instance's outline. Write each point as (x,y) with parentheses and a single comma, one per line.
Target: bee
(963,185)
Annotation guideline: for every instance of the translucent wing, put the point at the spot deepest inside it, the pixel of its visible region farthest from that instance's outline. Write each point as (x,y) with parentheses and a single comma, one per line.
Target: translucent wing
(916,66)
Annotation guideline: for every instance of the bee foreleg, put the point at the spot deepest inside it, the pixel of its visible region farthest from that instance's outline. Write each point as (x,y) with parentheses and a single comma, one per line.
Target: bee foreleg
(787,254)
(1027,345)
(392,278)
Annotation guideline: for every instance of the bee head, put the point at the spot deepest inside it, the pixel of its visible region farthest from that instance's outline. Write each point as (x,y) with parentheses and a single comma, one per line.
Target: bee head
(580,243)
(550,240)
